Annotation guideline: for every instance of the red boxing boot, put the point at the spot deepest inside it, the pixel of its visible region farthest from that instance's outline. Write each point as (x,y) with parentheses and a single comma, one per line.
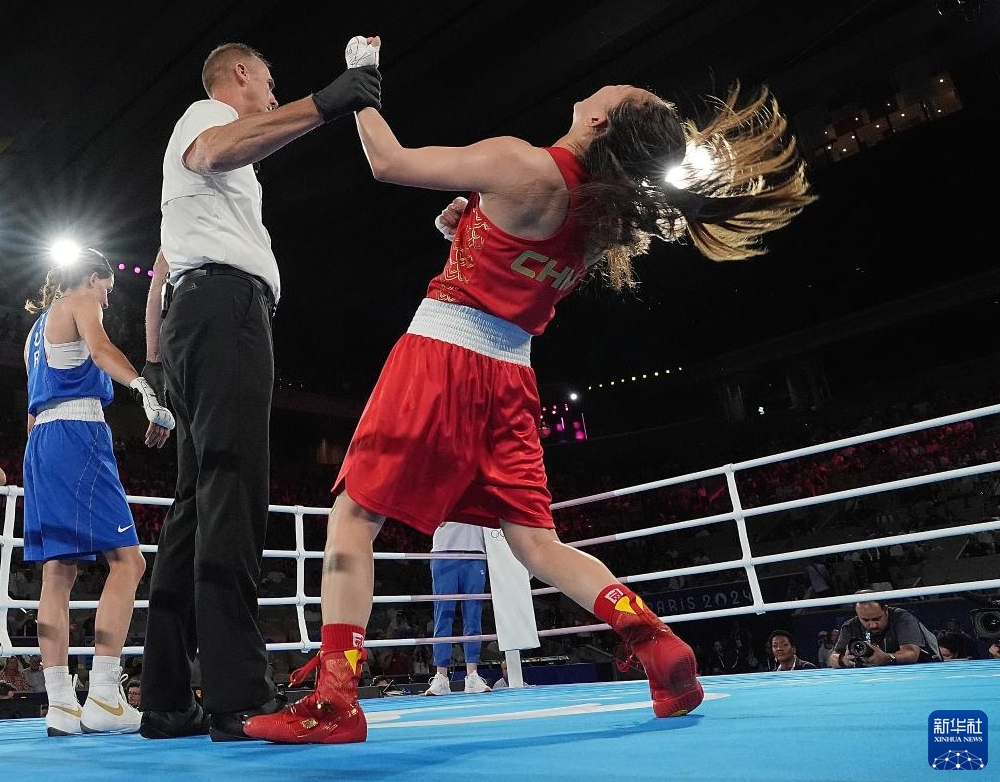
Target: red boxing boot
(330,714)
(670,663)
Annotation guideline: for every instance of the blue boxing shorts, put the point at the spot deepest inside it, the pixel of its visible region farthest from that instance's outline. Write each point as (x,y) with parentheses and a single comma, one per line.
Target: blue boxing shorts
(74,503)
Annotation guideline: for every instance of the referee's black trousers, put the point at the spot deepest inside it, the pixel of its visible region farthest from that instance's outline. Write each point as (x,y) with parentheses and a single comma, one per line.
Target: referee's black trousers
(219,364)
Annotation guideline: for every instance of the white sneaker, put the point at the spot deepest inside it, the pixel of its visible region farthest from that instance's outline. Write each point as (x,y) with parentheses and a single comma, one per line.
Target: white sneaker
(63,717)
(440,685)
(109,715)
(475,683)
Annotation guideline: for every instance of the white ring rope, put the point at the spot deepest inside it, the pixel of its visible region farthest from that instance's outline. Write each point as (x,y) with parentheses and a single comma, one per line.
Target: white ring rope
(747,561)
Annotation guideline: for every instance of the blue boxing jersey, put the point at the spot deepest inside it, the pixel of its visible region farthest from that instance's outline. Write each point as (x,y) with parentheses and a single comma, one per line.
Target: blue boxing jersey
(46,385)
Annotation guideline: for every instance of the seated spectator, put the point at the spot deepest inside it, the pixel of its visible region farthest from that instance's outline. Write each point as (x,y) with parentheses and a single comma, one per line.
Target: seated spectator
(34,675)
(965,642)
(500,683)
(396,662)
(22,623)
(880,635)
(953,647)
(785,653)
(721,659)
(11,675)
(399,626)
(834,637)
(81,677)
(820,580)
(133,691)
(825,648)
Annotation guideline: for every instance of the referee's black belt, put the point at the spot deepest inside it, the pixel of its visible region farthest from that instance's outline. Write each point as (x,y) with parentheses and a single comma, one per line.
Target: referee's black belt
(212,269)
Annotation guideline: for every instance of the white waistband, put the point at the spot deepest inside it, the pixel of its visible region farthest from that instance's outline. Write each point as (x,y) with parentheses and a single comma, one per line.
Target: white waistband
(472,329)
(86,409)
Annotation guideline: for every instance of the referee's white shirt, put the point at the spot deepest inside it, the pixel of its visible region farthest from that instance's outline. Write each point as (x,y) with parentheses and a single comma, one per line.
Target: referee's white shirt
(216,218)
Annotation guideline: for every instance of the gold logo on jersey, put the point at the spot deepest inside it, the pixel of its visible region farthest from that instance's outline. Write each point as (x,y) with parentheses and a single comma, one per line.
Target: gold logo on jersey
(541,268)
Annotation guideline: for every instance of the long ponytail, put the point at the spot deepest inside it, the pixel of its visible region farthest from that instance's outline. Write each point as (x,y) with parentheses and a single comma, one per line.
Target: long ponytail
(756,185)
(68,276)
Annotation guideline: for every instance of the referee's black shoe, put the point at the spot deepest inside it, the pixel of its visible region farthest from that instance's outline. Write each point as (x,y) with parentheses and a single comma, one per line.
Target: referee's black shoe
(174,724)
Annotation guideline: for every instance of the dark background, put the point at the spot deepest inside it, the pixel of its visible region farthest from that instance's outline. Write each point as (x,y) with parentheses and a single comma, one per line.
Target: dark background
(893,269)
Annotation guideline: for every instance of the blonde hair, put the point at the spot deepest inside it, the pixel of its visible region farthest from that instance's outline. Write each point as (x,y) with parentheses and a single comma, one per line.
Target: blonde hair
(221,59)
(68,276)
(757,185)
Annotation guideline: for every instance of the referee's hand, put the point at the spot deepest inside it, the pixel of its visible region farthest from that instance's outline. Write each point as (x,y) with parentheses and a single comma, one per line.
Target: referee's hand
(153,374)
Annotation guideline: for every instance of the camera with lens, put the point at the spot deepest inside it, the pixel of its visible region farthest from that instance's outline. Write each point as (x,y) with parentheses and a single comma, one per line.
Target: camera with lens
(860,649)
(986,623)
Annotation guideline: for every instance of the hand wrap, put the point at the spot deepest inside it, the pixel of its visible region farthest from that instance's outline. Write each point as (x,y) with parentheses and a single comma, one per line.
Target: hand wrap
(359,52)
(157,414)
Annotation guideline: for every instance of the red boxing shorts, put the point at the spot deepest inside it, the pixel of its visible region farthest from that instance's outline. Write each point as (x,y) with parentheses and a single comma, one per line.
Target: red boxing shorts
(449,434)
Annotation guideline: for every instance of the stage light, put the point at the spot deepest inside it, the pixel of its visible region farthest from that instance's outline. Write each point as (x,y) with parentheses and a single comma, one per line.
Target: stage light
(698,161)
(64,251)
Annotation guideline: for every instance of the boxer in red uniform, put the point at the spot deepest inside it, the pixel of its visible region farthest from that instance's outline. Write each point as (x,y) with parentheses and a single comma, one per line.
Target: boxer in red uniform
(450,430)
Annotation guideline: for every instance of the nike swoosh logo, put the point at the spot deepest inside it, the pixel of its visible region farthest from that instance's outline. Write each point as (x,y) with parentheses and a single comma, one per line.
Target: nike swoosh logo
(77,712)
(122,529)
(117,711)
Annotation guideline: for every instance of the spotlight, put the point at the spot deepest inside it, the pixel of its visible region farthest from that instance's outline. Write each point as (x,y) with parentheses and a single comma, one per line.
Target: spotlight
(64,251)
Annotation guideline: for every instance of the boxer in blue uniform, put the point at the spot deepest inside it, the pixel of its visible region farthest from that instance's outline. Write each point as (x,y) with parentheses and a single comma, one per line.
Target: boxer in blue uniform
(74,502)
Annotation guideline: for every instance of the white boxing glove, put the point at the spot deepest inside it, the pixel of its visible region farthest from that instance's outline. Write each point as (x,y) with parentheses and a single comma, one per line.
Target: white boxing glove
(157,414)
(359,52)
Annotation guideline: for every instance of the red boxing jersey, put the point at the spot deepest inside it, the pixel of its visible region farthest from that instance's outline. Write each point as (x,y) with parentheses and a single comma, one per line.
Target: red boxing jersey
(519,280)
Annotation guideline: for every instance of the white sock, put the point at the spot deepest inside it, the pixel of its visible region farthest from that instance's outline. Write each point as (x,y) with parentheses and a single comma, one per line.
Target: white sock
(104,663)
(58,683)
(104,677)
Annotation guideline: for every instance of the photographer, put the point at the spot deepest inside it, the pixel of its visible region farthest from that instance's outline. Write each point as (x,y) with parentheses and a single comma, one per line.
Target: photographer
(880,635)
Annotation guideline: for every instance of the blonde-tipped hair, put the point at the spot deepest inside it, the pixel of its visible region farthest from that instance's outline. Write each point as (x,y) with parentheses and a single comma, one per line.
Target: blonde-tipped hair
(756,185)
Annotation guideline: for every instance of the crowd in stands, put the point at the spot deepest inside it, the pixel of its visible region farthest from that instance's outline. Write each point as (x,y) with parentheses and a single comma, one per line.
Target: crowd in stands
(936,505)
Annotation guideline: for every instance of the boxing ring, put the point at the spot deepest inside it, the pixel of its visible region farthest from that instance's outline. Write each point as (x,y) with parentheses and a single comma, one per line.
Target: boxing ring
(752,726)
